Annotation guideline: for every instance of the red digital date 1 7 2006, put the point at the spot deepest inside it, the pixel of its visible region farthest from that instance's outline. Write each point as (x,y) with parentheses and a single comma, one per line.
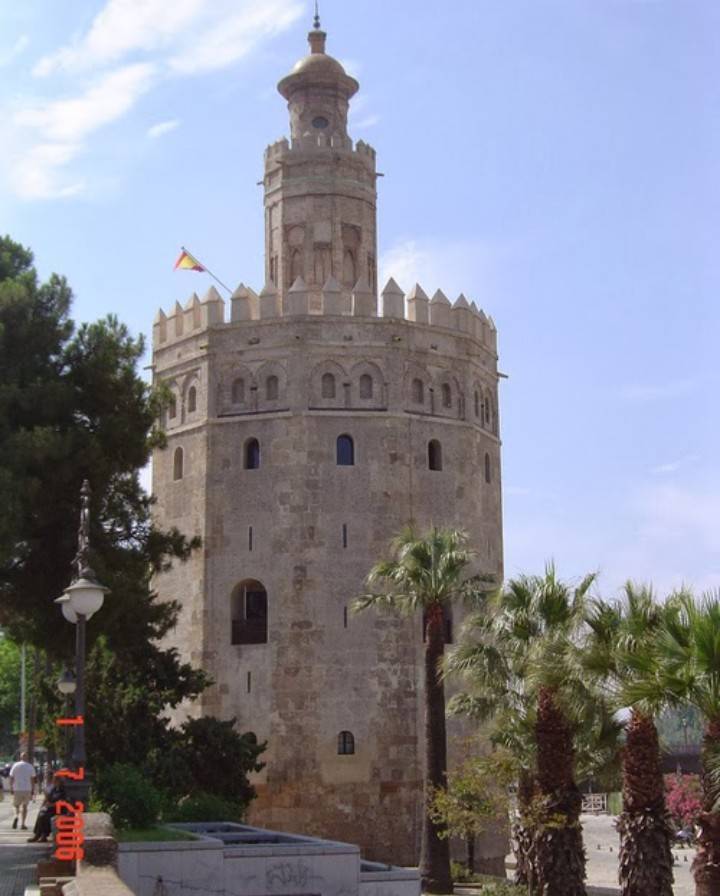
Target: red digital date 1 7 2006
(69,837)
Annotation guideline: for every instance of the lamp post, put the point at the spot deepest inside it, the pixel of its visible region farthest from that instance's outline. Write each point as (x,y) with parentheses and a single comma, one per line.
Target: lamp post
(66,685)
(81,600)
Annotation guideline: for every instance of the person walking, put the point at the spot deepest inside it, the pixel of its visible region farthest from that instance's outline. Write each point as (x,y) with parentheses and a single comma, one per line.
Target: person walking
(22,787)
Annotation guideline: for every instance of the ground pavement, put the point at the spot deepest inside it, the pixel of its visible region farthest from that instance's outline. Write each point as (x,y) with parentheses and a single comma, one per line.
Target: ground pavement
(17,857)
(600,837)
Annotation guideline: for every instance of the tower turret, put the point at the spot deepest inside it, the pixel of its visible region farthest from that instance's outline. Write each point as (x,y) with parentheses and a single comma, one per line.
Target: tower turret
(320,196)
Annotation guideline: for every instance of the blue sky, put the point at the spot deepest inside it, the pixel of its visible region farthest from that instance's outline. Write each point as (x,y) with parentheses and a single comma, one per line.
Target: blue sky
(555,160)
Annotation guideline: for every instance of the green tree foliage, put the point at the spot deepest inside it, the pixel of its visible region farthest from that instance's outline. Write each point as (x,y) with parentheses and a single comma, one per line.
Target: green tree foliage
(475,799)
(213,758)
(9,695)
(73,407)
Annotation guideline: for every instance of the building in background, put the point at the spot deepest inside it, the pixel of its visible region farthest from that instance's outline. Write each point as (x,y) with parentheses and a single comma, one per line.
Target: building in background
(307,427)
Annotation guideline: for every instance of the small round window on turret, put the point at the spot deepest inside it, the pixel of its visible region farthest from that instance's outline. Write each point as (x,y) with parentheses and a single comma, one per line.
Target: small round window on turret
(320,122)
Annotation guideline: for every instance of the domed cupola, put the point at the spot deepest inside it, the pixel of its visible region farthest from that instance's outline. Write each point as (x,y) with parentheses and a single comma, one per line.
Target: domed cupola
(318,91)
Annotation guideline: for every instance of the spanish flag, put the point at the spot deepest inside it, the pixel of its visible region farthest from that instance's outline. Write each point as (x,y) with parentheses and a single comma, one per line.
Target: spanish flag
(186,262)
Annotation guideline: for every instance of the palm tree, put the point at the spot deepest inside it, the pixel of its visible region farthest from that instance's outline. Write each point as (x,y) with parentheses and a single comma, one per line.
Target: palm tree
(683,666)
(426,575)
(520,665)
(618,638)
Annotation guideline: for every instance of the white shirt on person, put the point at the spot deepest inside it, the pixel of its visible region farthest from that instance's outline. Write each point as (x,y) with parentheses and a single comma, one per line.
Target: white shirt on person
(22,775)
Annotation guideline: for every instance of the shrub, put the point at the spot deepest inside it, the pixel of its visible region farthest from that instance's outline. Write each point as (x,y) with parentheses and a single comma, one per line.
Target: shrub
(131,800)
(683,794)
(206,807)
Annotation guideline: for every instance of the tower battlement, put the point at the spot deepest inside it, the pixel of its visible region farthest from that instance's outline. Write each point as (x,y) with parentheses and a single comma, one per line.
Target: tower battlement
(283,148)
(198,314)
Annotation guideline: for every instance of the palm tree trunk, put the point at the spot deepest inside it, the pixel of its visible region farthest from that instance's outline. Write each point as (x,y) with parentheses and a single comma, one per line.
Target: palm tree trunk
(559,851)
(434,849)
(645,828)
(706,867)
(522,832)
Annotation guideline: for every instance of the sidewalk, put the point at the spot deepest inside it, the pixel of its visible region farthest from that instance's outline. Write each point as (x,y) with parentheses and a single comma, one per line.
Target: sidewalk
(17,857)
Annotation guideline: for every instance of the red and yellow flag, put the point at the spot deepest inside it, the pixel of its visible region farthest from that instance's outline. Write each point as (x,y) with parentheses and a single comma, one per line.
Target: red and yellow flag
(186,262)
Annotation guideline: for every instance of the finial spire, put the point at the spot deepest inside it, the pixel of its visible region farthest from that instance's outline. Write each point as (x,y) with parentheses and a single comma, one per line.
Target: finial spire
(316,21)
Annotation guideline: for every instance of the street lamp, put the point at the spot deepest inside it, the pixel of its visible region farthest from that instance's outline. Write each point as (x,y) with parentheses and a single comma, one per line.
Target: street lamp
(81,600)
(66,685)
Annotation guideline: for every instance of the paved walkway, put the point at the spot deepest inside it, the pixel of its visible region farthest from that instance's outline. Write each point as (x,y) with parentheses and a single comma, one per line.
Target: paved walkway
(602,844)
(18,858)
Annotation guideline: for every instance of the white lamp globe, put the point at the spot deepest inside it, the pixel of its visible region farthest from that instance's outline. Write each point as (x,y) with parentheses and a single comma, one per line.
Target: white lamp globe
(67,609)
(86,596)
(66,683)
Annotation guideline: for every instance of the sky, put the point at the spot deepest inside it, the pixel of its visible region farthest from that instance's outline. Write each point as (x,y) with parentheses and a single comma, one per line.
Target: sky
(555,160)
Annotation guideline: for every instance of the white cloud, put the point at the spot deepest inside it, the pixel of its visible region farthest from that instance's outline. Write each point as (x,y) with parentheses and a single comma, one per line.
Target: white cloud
(19,47)
(163,127)
(454,266)
(105,101)
(121,27)
(130,47)
(234,36)
(36,173)
(368,122)
(674,465)
(657,391)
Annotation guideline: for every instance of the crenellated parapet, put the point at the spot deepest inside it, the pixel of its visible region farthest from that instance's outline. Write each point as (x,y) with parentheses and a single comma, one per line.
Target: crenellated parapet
(361,302)
(318,146)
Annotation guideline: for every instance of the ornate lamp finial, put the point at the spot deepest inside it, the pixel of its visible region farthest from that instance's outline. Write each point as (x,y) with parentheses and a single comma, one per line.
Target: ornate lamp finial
(81,562)
(316,22)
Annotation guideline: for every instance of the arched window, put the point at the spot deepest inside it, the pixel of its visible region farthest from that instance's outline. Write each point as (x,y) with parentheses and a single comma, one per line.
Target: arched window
(238,391)
(477,403)
(252,454)
(446,395)
(178,464)
(418,391)
(192,400)
(172,408)
(345,451)
(249,613)
(366,386)
(447,624)
(327,386)
(271,388)
(346,743)
(487,468)
(434,455)
(486,410)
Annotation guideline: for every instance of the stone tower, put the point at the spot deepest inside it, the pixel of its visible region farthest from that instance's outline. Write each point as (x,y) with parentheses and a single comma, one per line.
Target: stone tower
(307,427)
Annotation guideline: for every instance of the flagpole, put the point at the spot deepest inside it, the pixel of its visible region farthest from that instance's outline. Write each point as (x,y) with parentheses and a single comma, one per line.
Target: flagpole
(208,271)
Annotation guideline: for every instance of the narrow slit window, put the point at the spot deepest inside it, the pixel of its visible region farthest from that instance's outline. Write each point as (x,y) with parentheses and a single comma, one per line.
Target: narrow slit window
(250,538)
(252,454)
(488,471)
(178,464)
(345,451)
(477,404)
(345,617)
(446,395)
(249,682)
(344,535)
(434,455)
(486,411)
(192,400)
(346,743)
